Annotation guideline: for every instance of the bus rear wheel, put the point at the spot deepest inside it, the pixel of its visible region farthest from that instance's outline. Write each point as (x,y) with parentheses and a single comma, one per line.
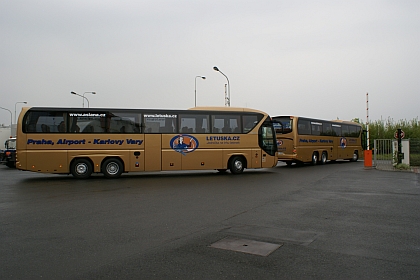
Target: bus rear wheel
(112,168)
(81,168)
(237,165)
(314,158)
(324,158)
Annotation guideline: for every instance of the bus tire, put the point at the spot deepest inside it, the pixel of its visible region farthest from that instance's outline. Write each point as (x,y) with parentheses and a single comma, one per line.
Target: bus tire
(355,156)
(314,158)
(81,168)
(324,158)
(112,168)
(236,165)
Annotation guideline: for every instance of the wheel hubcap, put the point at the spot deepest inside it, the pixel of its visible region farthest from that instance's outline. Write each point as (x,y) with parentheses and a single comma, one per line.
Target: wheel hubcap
(238,165)
(112,168)
(81,168)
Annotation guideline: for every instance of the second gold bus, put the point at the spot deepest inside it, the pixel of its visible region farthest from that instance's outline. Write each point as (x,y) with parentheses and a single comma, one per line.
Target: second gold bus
(307,140)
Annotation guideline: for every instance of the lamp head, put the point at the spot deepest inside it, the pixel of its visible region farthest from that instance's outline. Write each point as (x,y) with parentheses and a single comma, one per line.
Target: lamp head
(203,77)
(215,68)
(73,92)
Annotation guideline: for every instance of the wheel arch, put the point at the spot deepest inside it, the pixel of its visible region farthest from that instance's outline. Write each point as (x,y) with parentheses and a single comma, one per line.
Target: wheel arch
(231,157)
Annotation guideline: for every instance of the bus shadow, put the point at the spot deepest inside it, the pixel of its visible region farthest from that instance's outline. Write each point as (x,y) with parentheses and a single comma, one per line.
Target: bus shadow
(303,165)
(48,178)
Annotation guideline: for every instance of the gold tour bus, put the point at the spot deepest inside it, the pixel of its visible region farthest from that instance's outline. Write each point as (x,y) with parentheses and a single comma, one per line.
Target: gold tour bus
(82,141)
(316,141)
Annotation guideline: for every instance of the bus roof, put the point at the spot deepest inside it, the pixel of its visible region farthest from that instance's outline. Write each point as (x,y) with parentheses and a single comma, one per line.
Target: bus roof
(315,119)
(73,109)
(230,109)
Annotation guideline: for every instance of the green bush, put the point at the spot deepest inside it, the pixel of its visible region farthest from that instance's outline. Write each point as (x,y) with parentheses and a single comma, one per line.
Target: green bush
(402,166)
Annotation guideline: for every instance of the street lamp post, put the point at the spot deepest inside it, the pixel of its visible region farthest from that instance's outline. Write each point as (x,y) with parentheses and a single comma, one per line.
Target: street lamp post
(16,104)
(195,89)
(11,119)
(227,99)
(93,92)
(83,96)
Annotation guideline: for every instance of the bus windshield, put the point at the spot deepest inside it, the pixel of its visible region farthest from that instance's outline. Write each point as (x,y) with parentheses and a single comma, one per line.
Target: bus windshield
(283,125)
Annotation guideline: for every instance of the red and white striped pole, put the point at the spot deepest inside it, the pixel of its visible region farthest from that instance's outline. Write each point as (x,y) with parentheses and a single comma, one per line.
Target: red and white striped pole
(367,152)
(367,120)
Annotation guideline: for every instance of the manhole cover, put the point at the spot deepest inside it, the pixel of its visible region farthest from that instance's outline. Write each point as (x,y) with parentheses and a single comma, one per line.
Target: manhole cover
(246,246)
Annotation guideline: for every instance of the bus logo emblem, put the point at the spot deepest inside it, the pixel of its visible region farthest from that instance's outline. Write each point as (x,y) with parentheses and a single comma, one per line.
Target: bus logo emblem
(184,143)
(279,142)
(343,142)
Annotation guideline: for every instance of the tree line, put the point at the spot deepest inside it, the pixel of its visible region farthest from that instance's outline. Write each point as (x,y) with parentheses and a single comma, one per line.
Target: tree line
(385,129)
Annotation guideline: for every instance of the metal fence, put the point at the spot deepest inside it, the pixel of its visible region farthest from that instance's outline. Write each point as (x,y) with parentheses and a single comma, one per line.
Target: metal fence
(385,156)
(415,152)
(382,154)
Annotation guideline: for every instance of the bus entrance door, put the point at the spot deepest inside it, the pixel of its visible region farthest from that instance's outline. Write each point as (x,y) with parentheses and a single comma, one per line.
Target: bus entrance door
(268,161)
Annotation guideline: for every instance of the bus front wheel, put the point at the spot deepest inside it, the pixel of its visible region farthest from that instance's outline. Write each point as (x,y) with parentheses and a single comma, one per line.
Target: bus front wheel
(355,156)
(112,168)
(81,168)
(237,165)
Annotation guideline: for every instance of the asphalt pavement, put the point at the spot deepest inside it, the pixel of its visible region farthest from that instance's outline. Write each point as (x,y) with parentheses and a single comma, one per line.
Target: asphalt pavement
(337,221)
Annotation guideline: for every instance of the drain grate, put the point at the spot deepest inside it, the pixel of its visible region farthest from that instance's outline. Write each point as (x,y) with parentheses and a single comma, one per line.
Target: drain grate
(246,246)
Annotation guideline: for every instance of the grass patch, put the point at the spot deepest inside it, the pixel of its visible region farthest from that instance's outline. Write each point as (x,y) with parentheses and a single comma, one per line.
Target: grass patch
(402,166)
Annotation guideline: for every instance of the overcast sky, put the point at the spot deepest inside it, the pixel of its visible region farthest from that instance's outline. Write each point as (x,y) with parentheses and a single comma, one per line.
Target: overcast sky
(309,58)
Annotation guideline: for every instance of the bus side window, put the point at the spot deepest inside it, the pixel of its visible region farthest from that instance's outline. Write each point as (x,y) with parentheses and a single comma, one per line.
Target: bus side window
(326,129)
(31,128)
(61,127)
(45,128)
(345,130)
(303,127)
(88,129)
(75,128)
(226,129)
(353,131)
(249,122)
(316,129)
